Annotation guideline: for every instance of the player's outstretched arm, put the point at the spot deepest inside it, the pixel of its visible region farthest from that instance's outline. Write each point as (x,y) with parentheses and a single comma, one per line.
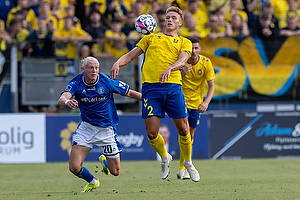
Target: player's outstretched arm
(64,100)
(124,60)
(134,94)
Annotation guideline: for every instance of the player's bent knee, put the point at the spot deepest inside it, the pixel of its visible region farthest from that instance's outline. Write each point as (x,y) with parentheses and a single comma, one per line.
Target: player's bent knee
(152,136)
(74,169)
(115,172)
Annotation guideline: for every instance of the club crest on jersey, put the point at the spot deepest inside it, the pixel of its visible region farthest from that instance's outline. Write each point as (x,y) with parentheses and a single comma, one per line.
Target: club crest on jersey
(199,71)
(100,90)
(175,41)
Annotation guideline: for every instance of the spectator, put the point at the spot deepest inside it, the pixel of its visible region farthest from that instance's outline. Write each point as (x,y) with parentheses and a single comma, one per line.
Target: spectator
(99,5)
(190,29)
(5,7)
(138,8)
(23,5)
(95,27)
(292,28)
(215,4)
(155,6)
(18,33)
(160,22)
(21,16)
(238,28)
(70,12)
(45,12)
(221,13)
(40,41)
(280,7)
(115,10)
(130,23)
(98,49)
(132,36)
(264,27)
(57,10)
(66,41)
(214,30)
(234,9)
(292,10)
(85,51)
(4,51)
(2,25)
(268,9)
(34,5)
(113,34)
(63,3)
(254,10)
(4,36)
(119,48)
(199,15)
(166,4)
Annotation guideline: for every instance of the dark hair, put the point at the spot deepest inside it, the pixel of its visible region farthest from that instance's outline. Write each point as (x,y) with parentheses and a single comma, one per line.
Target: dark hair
(194,39)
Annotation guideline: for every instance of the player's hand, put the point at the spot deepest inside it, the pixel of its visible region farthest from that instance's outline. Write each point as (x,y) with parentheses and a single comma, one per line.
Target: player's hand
(114,71)
(72,103)
(165,75)
(202,107)
(186,69)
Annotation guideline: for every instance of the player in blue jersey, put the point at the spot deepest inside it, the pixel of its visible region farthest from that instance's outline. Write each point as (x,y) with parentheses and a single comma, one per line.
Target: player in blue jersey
(165,53)
(93,92)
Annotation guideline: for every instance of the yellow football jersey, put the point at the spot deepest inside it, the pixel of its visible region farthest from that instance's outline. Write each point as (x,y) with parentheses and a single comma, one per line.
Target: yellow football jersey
(193,82)
(162,51)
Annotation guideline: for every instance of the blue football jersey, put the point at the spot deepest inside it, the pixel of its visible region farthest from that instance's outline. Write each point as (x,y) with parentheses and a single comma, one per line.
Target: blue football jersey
(96,102)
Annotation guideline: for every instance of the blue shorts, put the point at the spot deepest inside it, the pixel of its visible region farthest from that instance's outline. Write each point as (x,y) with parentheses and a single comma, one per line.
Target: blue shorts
(193,118)
(161,98)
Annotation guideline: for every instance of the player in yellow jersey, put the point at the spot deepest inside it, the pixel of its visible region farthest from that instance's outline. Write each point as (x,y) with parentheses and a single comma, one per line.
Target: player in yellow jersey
(165,53)
(194,74)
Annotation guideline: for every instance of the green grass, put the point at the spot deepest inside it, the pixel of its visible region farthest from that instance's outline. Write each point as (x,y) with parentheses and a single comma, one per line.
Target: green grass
(220,179)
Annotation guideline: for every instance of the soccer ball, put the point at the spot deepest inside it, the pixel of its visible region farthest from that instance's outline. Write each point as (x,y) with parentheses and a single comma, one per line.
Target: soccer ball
(145,24)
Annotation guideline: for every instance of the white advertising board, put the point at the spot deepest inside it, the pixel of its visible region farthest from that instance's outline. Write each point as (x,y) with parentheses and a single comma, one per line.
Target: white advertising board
(22,138)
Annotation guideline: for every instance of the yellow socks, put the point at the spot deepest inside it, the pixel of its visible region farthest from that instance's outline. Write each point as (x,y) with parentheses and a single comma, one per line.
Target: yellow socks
(181,159)
(158,145)
(185,144)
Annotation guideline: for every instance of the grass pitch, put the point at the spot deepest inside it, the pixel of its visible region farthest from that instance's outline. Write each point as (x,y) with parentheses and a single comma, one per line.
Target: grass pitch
(220,179)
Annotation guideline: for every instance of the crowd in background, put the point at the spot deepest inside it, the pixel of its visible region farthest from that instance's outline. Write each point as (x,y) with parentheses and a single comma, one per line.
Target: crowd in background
(67,30)
(53,27)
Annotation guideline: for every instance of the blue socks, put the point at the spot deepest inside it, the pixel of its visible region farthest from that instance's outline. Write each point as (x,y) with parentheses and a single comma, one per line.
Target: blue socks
(85,174)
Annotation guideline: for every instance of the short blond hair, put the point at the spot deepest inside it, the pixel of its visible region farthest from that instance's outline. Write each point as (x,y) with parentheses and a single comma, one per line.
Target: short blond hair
(87,59)
(175,9)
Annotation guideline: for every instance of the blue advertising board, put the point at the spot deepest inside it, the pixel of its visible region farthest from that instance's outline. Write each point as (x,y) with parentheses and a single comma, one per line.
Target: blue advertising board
(131,134)
(255,135)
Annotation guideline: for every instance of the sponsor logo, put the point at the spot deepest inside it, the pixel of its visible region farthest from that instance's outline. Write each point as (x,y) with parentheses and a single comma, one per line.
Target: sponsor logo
(15,140)
(131,140)
(267,129)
